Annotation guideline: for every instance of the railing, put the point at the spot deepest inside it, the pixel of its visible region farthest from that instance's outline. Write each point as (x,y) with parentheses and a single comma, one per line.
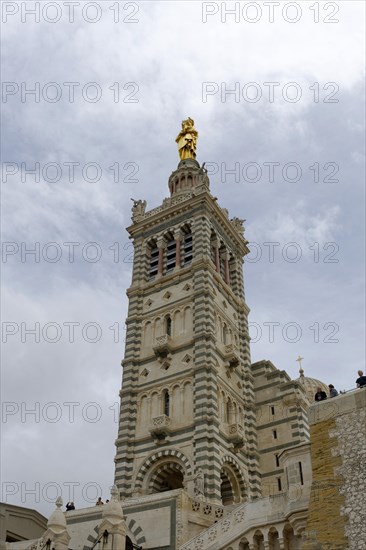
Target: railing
(163,350)
(161,341)
(235,433)
(160,426)
(98,539)
(232,355)
(241,520)
(161,421)
(332,407)
(342,392)
(210,535)
(41,544)
(168,202)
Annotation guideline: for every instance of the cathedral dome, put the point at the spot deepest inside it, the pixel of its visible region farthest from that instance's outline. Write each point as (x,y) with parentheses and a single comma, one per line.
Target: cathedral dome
(311,385)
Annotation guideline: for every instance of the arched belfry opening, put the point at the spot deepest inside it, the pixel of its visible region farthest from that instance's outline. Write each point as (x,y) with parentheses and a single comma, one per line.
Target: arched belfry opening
(186,246)
(170,253)
(153,254)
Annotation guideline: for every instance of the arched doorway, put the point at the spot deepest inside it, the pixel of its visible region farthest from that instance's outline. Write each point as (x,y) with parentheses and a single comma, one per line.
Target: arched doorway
(227,493)
(130,545)
(166,476)
(162,470)
(230,486)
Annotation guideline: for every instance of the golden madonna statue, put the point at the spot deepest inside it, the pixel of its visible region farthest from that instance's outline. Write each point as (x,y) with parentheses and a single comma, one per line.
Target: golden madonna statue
(187,140)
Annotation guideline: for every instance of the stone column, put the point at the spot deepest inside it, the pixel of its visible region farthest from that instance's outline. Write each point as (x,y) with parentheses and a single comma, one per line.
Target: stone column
(217,257)
(177,237)
(139,260)
(234,282)
(227,270)
(161,246)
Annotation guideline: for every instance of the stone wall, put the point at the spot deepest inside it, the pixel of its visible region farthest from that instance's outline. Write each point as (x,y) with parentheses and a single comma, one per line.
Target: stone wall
(350,431)
(19,523)
(337,510)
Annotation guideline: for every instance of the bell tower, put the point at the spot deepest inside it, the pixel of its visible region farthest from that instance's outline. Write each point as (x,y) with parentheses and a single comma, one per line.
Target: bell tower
(187,417)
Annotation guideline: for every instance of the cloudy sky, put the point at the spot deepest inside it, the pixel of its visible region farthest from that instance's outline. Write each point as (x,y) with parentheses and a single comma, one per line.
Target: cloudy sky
(93,96)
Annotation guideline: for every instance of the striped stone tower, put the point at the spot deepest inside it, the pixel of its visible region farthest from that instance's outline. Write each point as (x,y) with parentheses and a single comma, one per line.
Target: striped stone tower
(187,415)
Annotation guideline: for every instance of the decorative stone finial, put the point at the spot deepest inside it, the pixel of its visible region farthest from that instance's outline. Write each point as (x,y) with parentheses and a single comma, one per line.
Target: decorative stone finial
(59,502)
(114,493)
(187,140)
(57,521)
(112,510)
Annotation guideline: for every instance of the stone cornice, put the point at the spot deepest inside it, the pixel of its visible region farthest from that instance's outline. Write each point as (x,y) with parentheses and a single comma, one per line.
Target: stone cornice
(186,273)
(184,376)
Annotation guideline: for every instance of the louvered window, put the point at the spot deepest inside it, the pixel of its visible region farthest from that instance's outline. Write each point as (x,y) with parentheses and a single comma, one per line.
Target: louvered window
(170,256)
(187,249)
(154,260)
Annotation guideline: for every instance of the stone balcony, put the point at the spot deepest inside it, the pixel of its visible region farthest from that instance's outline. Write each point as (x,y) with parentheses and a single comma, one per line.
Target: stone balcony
(162,348)
(231,355)
(236,436)
(160,426)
